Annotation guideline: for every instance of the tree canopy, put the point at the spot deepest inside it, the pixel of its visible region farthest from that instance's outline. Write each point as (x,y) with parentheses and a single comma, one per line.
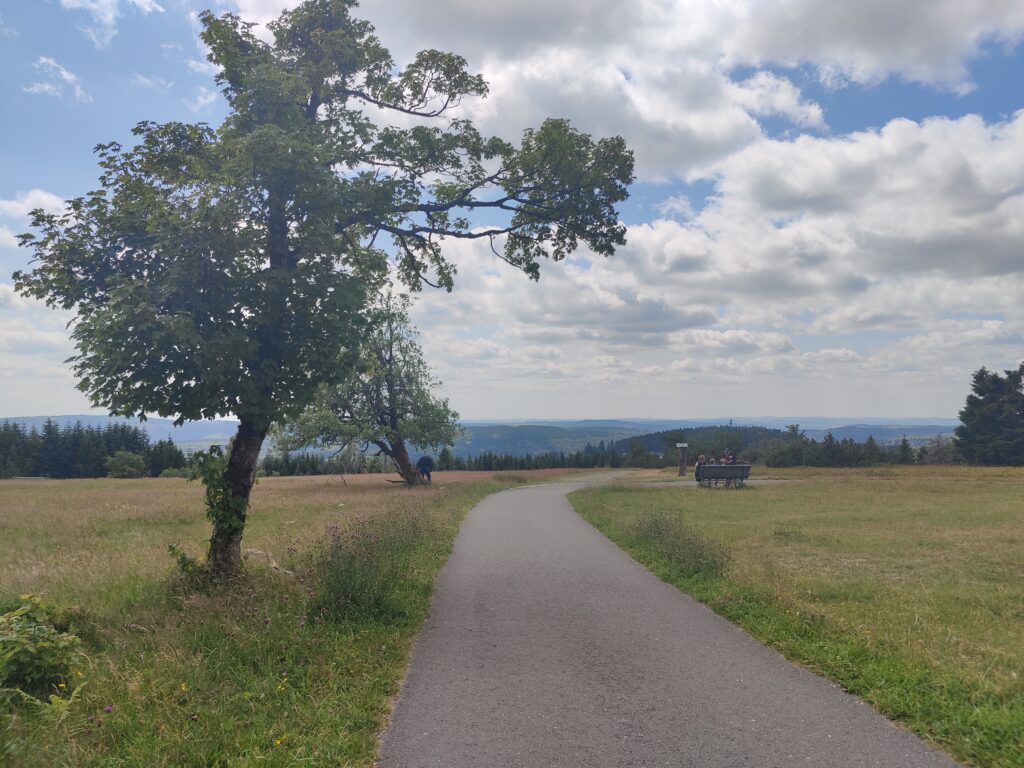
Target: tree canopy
(223,271)
(389,399)
(992,428)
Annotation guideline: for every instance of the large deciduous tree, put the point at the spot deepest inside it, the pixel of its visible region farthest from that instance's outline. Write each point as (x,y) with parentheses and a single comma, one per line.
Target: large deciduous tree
(992,428)
(224,270)
(389,399)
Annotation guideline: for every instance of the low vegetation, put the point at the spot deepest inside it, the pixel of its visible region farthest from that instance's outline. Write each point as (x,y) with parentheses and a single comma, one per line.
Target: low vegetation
(292,662)
(903,584)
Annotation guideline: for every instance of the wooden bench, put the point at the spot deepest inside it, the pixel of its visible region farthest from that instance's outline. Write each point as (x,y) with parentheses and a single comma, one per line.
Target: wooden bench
(729,474)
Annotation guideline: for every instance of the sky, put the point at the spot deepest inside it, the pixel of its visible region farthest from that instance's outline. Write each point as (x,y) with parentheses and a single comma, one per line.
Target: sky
(828,218)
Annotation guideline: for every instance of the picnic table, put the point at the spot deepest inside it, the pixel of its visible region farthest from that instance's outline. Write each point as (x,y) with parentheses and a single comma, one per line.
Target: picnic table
(728,474)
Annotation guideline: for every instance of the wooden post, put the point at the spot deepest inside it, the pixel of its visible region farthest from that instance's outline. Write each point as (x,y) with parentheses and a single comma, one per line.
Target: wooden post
(681,450)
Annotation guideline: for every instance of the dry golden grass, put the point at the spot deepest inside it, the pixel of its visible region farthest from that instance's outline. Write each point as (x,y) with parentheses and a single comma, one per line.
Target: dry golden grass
(275,668)
(66,538)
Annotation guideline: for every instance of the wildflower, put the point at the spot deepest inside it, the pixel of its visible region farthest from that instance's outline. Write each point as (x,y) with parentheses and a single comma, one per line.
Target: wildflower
(184,686)
(62,686)
(108,709)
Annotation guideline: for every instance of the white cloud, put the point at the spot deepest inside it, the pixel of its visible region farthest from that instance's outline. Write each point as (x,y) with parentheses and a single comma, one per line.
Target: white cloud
(202,67)
(105,14)
(57,77)
(764,94)
(7,238)
(923,40)
(152,83)
(6,30)
(23,202)
(659,72)
(204,98)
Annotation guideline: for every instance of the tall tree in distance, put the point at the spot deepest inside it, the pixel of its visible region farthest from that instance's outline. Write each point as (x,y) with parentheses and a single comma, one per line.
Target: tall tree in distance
(992,428)
(223,271)
(389,400)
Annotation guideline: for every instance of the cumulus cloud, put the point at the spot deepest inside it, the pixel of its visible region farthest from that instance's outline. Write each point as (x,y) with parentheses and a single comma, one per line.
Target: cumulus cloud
(660,72)
(56,79)
(23,202)
(924,40)
(911,233)
(104,15)
(204,98)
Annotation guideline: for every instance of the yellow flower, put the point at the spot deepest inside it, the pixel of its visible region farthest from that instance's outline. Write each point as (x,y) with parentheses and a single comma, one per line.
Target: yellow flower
(184,686)
(61,685)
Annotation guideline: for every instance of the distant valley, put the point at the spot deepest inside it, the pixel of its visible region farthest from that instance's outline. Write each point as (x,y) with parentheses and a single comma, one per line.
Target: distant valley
(520,438)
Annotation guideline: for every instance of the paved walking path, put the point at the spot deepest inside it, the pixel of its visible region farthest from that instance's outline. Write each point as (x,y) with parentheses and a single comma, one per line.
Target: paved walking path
(548,646)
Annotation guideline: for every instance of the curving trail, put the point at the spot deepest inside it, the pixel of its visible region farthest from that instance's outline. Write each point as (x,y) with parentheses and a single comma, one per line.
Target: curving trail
(548,646)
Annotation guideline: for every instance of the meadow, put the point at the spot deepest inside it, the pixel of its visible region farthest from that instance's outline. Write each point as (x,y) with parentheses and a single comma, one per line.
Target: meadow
(904,585)
(292,664)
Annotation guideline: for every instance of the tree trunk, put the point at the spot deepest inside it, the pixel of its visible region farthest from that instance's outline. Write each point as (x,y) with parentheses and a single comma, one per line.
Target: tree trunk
(225,557)
(400,456)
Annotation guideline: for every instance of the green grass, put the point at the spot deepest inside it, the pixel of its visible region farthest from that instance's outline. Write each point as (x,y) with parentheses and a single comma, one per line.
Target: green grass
(904,585)
(280,668)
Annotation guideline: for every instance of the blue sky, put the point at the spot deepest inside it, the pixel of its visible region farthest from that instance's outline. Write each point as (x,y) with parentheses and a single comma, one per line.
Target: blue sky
(829,215)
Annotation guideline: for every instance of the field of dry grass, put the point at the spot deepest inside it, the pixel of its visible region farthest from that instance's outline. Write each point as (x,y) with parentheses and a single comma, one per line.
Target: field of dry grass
(71,538)
(283,667)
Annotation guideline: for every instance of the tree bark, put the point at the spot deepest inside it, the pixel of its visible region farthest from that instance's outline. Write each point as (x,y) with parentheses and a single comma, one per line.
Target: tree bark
(400,455)
(225,556)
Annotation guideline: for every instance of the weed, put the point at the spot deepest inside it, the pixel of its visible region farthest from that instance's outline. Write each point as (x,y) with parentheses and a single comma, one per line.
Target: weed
(36,657)
(668,535)
(364,567)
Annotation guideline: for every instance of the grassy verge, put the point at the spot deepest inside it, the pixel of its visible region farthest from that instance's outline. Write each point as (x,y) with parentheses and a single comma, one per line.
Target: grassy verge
(294,664)
(903,585)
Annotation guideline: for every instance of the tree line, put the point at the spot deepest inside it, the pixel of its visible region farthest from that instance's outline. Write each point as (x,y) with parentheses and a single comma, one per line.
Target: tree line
(77,451)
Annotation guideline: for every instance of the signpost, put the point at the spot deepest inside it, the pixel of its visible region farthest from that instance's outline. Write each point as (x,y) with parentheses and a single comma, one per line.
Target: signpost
(681,450)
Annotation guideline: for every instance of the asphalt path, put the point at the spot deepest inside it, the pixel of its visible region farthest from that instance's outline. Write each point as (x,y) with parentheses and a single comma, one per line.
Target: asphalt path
(548,646)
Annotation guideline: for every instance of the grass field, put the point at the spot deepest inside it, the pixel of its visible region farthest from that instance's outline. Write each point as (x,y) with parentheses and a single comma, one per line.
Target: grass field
(905,585)
(285,667)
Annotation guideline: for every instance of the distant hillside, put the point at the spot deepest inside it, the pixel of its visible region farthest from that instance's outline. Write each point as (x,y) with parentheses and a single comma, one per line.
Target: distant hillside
(541,436)
(885,434)
(525,439)
(712,440)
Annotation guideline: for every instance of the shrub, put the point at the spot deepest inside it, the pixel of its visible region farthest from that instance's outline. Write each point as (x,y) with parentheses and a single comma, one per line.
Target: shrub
(176,472)
(37,655)
(124,464)
(669,536)
(364,568)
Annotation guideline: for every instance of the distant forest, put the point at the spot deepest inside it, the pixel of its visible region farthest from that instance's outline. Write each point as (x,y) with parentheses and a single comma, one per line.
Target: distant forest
(124,450)
(120,450)
(761,445)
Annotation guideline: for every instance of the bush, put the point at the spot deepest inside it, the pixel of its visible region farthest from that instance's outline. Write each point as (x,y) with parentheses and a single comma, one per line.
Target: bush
(364,568)
(36,655)
(176,472)
(124,464)
(669,536)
